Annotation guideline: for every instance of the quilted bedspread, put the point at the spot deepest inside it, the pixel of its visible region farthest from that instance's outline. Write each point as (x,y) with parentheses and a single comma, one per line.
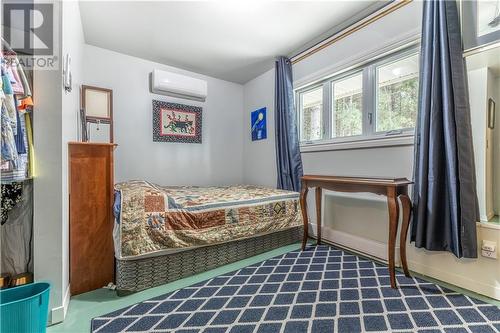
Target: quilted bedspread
(155,219)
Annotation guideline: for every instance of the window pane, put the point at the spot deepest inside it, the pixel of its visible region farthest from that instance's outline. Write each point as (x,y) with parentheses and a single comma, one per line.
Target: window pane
(347,116)
(397,94)
(312,114)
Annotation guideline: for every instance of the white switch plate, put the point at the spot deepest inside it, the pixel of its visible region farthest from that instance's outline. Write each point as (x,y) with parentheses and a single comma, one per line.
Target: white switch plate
(488,246)
(488,254)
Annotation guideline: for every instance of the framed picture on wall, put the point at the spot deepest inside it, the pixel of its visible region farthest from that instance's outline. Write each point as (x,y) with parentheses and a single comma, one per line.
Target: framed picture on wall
(259,124)
(480,23)
(174,122)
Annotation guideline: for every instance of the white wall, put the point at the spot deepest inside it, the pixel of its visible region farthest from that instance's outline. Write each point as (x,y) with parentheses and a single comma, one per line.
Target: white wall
(218,160)
(492,172)
(54,125)
(47,186)
(47,189)
(478,80)
(260,156)
(496,147)
(72,44)
(482,86)
(361,220)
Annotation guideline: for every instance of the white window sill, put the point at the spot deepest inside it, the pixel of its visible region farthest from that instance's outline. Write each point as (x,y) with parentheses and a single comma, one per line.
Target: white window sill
(399,140)
(488,225)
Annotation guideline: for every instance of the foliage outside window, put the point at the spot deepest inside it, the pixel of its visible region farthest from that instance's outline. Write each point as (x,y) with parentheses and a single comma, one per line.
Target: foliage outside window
(397,90)
(347,106)
(312,113)
(375,100)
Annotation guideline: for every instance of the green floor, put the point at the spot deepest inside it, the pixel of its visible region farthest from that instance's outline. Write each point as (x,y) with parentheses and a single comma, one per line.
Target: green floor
(84,307)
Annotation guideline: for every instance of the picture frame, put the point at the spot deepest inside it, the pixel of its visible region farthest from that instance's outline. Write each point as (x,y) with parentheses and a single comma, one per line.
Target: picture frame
(173,122)
(258,123)
(97,103)
(480,23)
(491,114)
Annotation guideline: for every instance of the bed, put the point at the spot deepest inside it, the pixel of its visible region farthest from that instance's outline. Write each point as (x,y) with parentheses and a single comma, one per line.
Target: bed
(164,233)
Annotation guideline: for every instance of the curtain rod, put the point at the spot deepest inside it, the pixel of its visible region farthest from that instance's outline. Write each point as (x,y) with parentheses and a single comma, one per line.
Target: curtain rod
(350,30)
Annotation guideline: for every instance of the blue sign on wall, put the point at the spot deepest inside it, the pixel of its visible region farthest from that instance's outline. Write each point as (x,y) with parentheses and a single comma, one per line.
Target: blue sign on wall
(259,124)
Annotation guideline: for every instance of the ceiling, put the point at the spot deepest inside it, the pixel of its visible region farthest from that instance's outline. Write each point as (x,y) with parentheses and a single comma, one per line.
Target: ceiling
(230,40)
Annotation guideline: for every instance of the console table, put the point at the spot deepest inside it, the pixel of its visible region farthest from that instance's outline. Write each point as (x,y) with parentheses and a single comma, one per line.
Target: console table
(392,188)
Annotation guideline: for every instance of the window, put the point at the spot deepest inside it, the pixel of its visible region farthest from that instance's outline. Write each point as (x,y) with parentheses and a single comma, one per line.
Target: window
(397,89)
(372,101)
(347,113)
(311,106)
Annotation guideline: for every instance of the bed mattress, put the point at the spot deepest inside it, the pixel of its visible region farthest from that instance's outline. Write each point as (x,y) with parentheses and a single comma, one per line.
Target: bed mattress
(156,220)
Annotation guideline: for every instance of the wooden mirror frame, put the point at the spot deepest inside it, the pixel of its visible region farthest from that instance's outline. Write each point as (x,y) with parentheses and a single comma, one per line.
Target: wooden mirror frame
(98,120)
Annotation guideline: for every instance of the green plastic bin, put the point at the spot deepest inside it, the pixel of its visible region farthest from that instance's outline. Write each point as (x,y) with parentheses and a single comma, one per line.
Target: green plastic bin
(24,309)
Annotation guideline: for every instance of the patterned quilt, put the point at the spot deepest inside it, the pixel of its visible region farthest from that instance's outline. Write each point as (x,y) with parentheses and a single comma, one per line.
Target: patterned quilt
(155,219)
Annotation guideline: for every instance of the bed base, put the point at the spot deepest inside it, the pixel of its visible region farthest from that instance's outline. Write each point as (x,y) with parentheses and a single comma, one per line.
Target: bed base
(136,275)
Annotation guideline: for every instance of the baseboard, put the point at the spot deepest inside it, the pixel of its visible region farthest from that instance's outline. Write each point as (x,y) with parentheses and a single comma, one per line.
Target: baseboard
(458,280)
(58,314)
(360,244)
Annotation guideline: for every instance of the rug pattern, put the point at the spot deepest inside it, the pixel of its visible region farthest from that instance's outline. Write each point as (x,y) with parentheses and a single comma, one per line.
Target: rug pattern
(322,289)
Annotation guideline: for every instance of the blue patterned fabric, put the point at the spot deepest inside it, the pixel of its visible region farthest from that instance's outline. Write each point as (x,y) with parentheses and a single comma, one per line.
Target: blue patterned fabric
(322,289)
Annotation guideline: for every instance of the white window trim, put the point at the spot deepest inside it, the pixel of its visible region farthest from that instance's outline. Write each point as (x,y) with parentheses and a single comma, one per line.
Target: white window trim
(359,143)
(371,138)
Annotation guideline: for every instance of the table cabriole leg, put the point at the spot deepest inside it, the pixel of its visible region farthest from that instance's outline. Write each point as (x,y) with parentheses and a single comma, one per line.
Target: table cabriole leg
(318,213)
(303,204)
(406,206)
(393,229)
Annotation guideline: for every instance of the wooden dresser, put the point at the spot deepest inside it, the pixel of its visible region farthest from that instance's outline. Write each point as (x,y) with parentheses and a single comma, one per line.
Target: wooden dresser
(90,215)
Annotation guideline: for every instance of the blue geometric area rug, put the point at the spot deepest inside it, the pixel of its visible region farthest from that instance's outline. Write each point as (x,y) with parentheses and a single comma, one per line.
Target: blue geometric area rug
(320,290)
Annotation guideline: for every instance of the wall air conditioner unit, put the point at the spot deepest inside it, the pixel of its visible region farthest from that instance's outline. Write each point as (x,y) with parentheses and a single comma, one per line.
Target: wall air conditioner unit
(178,85)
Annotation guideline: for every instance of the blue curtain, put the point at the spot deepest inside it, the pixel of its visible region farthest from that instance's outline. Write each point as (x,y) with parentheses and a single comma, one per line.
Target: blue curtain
(444,195)
(288,160)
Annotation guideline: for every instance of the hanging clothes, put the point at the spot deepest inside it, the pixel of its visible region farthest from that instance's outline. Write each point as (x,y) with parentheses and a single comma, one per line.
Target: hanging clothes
(24,79)
(11,195)
(16,131)
(25,104)
(19,136)
(15,80)
(19,171)
(10,104)
(17,236)
(18,77)
(29,142)
(9,150)
(16,166)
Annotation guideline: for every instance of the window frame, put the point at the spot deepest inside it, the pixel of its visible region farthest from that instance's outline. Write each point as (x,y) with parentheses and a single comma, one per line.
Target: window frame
(301,114)
(369,104)
(331,84)
(386,61)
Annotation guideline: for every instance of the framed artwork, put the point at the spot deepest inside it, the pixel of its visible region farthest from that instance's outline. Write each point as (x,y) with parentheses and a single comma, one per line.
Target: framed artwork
(491,113)
(176,122)
(480,23)
(259,124)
